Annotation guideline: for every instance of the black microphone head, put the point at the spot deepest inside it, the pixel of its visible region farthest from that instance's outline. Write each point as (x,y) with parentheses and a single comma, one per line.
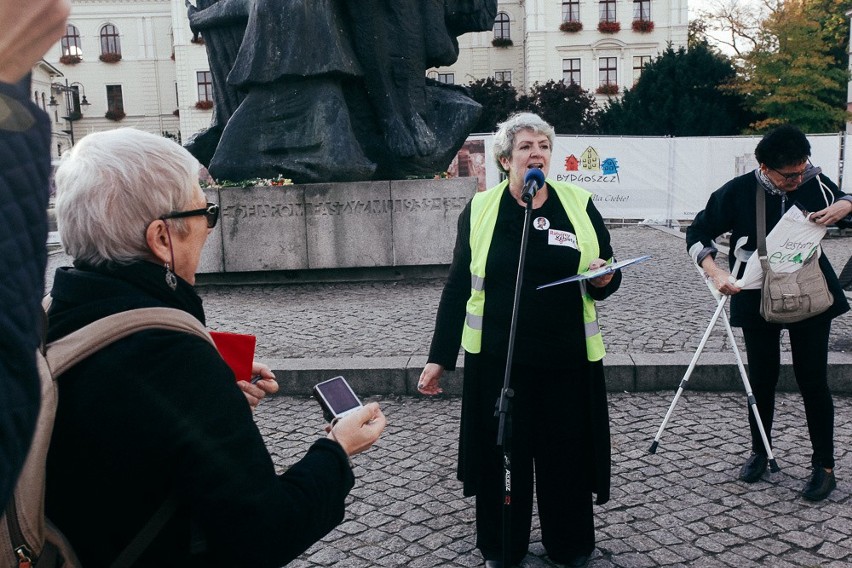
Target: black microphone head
(534,175)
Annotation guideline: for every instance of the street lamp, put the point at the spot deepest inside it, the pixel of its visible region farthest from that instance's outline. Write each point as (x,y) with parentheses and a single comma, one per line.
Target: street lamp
(73,103)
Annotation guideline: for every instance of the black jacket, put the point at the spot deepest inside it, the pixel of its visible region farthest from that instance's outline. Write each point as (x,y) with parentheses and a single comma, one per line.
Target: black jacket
(732,208)
(24,174)
(158,413)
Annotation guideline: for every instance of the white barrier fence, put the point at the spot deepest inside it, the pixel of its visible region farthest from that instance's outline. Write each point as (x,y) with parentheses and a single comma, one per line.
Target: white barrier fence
(649,178)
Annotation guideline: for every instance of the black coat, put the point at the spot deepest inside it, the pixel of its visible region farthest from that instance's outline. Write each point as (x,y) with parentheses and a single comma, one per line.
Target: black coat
(24,174)
(732,208)
(158,413)
(549,335)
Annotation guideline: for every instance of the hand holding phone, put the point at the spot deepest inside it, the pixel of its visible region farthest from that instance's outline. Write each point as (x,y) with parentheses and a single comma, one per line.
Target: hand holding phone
(359,429)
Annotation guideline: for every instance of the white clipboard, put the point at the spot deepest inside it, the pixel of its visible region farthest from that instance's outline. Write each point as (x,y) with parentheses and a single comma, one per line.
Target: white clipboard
(589,274)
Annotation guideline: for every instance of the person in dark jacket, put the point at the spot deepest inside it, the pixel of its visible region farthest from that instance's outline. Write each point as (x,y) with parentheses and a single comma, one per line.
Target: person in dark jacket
(786,177)
(158,415)
(27,31)
(559,416)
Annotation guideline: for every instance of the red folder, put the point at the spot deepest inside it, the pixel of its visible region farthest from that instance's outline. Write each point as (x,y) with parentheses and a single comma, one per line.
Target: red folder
(237,349)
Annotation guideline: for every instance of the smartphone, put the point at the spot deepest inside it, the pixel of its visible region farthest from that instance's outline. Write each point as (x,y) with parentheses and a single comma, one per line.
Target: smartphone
(336,398)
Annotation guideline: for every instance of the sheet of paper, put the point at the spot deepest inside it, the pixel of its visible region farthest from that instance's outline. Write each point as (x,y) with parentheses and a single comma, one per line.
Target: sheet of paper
(589,274)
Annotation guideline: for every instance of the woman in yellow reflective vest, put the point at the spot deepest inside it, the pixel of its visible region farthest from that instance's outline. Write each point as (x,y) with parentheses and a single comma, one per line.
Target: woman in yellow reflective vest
(559,417)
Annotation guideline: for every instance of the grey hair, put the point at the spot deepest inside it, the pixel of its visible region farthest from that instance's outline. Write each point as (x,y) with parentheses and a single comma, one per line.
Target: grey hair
(111,185)
(504,139)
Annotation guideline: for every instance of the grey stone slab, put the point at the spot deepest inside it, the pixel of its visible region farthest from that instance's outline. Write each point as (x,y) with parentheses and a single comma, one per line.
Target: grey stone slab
(425,216)
(263,228)
(349,225)
(212,253)
(367,376)
(620,373)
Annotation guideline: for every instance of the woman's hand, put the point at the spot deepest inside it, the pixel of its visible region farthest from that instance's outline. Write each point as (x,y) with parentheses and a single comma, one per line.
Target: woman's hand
(833,213)
(721,279)
(600,281)
(264,384)
(358,430)
(430,378)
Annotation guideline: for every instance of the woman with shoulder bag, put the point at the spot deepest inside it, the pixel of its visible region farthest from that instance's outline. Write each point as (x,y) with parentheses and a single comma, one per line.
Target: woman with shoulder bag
(785,177)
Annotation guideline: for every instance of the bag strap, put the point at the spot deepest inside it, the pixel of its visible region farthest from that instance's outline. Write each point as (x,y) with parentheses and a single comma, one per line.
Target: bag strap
(67,351)
(760,203)
(146,534)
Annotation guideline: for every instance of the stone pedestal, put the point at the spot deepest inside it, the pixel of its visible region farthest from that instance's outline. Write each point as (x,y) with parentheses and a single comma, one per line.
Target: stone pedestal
(329,226)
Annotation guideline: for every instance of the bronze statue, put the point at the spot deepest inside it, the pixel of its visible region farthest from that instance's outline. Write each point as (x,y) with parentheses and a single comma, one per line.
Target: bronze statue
(334,90)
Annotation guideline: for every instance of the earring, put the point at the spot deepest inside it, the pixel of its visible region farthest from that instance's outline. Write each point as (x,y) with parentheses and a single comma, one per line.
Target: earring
(171,279)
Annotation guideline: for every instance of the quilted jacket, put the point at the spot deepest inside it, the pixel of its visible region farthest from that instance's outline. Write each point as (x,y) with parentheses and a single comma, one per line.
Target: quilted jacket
(24,178)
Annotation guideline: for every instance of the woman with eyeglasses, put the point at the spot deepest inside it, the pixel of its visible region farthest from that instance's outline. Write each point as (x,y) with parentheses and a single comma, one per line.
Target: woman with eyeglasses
(158,415)
(786,177)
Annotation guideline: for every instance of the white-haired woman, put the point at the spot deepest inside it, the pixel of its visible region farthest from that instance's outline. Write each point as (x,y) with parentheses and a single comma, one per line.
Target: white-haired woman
(560,422)
(158,415)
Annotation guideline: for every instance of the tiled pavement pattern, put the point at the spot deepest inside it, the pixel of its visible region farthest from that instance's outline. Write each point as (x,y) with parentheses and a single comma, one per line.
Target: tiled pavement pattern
(679,507)
(682,506)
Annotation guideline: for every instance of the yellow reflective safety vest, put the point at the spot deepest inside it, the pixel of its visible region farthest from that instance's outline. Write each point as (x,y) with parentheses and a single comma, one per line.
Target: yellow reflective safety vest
(483,219)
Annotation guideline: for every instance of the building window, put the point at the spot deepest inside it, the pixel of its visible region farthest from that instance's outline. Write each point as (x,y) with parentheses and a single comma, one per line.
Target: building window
(607,11)
(639,63)
(70,42)
(109,40)
(501,26)
(608,74)
(571,71)
(205,85)
(503,77)
(447,78)
(571,11)
(115,100)
(642,10)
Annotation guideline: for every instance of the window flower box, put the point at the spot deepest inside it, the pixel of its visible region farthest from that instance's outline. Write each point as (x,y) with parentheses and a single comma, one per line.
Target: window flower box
(204,105)
(115,115)
(571,27)
(607,89)
(70,59)
(606,27)
(643,26)
(502,42)
(110,57)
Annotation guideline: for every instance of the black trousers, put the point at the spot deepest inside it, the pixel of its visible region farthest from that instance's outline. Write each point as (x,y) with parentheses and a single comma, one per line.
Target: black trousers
(809,346)
(550,450)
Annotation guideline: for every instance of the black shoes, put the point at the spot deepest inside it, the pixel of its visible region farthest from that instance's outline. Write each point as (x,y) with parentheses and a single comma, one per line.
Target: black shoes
(820,485)
(578,561)
(753,468)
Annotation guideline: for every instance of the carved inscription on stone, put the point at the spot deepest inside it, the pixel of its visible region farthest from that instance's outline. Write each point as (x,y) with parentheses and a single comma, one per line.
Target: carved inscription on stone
(373,206)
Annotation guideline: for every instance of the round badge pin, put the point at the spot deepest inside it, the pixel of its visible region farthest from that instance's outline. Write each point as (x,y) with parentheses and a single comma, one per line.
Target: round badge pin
(541,223)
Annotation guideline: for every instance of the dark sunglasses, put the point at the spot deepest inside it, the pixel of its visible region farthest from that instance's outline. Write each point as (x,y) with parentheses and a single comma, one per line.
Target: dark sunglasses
(789,177)
(211,212)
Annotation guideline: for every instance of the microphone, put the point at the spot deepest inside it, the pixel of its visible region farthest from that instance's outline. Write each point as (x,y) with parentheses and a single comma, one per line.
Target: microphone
(532,183)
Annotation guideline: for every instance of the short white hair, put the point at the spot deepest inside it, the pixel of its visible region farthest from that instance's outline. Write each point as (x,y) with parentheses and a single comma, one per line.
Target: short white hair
(111,185)
(504,138)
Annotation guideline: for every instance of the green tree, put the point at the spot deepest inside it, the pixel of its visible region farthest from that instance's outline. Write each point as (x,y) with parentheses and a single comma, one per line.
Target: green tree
(792,75)
(498,100)
(680,93)
(567,107)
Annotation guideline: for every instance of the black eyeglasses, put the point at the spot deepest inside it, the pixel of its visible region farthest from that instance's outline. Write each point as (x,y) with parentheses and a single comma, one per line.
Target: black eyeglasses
(789,177)
(211,212)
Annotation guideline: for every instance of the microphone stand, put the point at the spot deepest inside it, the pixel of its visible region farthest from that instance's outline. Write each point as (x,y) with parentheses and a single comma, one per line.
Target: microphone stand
(502,407)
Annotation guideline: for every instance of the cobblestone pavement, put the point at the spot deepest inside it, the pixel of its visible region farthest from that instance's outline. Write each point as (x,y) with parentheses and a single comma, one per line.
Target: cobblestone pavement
(681,506)
(663,306)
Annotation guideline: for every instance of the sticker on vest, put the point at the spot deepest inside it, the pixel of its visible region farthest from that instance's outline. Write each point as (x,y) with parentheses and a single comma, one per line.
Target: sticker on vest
(541,223)
(562,238)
